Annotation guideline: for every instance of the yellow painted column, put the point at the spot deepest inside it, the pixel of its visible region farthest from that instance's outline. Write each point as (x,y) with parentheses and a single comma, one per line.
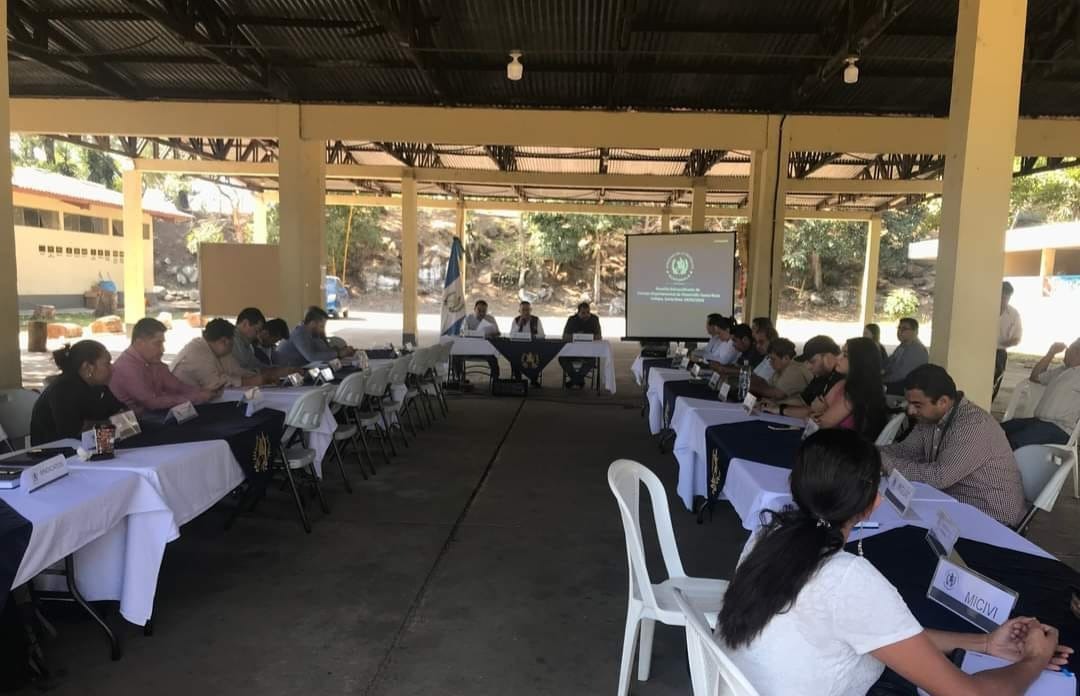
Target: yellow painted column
(302,194)
(697,209)
(460,234)
(1046,264)
(10,365)
(258,220)
(975,201)
(410,262)
(134,249)
(766,247)
(870,269)
(665,221)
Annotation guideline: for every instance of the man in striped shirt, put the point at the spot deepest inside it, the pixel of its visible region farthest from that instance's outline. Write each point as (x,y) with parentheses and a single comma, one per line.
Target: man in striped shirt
(957,447)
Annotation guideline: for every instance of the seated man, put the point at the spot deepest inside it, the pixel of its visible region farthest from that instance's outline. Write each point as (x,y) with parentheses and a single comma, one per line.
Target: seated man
(911,353)
(742,340)
(789,378)
(142,381)
(956,447)
(479,320)
(763,341)
(207,361)
(719,350)
(819,356)
(526,321)
(249,322)
(270,334)
(1058,409)
(761,326)
(578,369)
(307,343)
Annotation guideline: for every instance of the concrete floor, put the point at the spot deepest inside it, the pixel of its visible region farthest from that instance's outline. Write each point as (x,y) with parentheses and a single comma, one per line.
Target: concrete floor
(487,559)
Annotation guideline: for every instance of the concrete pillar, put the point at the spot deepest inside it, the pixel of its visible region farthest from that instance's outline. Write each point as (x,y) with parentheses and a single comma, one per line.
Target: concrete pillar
(302,193)
(460,234)
(975,200)
(134,249)
(258,220)
(870,269)
(1046,264)
(665,221)
(410,262)
(10,365)
(697,210)
(768,176)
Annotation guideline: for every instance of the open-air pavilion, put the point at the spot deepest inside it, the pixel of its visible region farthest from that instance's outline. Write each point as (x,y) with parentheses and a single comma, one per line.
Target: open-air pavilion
(765,111)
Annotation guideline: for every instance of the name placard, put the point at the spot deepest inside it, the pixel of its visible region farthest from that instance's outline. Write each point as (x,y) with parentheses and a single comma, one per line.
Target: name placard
(253,399)
(811,428)
(899,492)
(293,380)
(749,403)
(327,374)
(314,374)
(472,333)
(684,363)
(182,413)
(362,360)
(971,596)
(43,473)
(943,535)
(88,440)
(126,424)
(724,390)
(714,381)
(520,336)
(695,370)
(582,337)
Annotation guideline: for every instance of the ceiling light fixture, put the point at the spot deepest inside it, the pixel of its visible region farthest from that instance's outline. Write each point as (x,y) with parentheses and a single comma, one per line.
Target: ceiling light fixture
(851,70)
(514,69)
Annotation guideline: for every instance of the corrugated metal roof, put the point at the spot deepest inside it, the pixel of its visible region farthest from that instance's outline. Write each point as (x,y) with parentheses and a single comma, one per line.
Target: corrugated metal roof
(70,189)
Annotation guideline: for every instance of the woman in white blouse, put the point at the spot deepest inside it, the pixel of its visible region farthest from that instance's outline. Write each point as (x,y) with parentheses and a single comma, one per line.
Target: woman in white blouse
(803,617)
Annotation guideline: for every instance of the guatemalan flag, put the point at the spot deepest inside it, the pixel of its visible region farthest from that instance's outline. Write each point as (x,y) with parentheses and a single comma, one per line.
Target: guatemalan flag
(453,302)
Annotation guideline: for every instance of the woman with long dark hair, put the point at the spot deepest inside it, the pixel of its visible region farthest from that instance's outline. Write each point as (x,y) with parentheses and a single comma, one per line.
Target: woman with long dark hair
(856,402)
(803,617)
(873,332)
(78,398)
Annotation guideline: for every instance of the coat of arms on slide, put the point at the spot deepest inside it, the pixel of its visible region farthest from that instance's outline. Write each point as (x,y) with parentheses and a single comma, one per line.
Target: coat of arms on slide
(680,266)
(454,302)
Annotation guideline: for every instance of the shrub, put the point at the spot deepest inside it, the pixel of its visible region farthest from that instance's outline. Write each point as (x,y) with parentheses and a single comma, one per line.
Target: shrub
(901,302)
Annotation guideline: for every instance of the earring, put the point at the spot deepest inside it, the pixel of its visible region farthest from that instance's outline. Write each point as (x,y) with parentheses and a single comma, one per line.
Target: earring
(860,547)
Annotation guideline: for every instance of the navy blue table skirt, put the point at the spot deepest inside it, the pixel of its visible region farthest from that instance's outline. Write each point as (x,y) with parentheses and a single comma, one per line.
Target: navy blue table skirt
(14,538)
(757,441)
(688,388)
(528,357)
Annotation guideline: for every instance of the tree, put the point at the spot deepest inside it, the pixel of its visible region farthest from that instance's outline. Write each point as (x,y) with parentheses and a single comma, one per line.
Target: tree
(576,238)
(812,246)
(67,159)
(1045,197)
(352,233)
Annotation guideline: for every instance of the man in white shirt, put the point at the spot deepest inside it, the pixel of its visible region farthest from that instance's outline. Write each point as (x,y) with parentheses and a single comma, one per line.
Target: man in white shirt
(1058,409)
(1010,331)
(720,349)
(526,322)
(479,320)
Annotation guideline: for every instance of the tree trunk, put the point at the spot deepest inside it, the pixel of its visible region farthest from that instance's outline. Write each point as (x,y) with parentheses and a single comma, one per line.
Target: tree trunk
(523,269)
(345,251)
(815,267)
(598,256)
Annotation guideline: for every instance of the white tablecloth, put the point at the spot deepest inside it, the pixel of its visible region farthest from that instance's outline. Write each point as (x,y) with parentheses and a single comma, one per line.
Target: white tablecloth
(690,419)
(116,525)
(752,487)
(654,393)
(281,399)
(637,368)
(190,477)
(580,349)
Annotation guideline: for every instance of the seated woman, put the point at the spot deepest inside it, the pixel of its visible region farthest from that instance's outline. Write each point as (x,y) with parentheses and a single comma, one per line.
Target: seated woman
(77,399)
(804,617)
(857,402)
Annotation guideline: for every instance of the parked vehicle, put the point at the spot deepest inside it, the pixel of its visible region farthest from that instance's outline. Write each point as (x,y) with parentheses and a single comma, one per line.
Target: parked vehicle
(337,298)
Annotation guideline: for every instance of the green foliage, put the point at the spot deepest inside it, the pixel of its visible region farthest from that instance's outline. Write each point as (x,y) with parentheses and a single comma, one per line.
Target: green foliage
(901,228)
(364,229)
(840,247)
(901,302)
(558,237)
(207,230)
(1046,197)
(67,159)
(176,188)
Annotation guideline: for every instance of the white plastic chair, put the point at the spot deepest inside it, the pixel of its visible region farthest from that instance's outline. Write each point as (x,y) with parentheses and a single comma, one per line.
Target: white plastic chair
(16,405)
(347,400)
(648,602)
(401,400)
(305,415)
(1043,470)
(421,391)
(1022,404)
(375,389)
(888,433)
(712,673)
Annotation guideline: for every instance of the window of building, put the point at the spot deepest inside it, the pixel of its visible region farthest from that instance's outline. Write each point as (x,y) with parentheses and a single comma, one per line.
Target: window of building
(37,217)
(85,223)
(117,228)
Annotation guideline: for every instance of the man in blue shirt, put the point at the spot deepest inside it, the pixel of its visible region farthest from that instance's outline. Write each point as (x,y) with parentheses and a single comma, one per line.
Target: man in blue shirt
(307,343)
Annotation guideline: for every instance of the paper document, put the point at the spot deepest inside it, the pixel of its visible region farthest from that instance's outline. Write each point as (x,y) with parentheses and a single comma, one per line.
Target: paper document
(1048,684)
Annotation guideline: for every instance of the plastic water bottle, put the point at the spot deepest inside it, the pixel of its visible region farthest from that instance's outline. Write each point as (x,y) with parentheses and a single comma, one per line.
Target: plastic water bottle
(744,379)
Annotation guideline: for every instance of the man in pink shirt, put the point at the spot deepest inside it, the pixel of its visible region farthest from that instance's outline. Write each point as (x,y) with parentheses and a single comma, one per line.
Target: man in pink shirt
(142,381)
